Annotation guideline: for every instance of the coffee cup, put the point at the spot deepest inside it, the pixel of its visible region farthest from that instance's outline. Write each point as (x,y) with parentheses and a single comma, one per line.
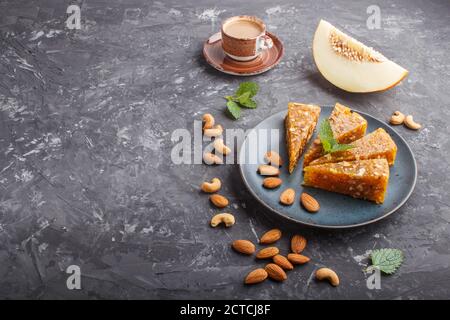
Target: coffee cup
(244,38)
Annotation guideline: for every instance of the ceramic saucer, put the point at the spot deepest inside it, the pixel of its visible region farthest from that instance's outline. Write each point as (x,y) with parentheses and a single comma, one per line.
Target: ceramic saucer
(214,55)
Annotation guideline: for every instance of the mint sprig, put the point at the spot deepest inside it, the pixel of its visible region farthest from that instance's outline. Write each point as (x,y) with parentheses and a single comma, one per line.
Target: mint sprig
(233,109)
(387,260)
(243,98)
(329,143)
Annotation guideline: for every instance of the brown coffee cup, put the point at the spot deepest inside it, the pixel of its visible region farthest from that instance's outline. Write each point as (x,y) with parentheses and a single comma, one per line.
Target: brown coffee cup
(244,37)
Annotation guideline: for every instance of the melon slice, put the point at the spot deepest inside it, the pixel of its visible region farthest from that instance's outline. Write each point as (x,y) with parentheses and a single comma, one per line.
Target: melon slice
(350,65)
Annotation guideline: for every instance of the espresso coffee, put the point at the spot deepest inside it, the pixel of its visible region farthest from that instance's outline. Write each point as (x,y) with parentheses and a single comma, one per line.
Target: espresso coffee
(243,29)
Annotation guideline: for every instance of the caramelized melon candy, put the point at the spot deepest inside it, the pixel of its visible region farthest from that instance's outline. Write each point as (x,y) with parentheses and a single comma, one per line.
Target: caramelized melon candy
(376,145)
(363,179)
(300,122)
(347,127)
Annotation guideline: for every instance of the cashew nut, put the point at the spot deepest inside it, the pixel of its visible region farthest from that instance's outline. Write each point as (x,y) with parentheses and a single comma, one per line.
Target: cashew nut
(211,187)
(397,118)
(215,131)
(221,147)
(226,218)
(208,121)
(210,158)
(328,274)
(266,170)
(409,122)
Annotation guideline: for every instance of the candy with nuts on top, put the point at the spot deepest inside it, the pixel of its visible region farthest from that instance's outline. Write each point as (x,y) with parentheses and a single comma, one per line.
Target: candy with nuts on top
(300,122)
(364,179)
(347,127)
(376,145)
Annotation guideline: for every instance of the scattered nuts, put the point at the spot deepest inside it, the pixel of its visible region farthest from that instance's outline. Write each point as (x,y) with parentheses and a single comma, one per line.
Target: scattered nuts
(243,246)
(275,272)
(208,121)
(327,274)
(273,158)
(272,182)
(283,262)
(215,131)
(309,203)
(226,218)
(270,236)
(298,243)
(220,147)
(266,170)
(287,197)
(210,158)
(297,258)
(211,187)
(218,200)
(397,118)
(409,122)
(268,252)
(256,276)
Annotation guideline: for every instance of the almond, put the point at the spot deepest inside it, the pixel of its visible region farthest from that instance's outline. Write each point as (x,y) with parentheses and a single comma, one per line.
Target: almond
(256,276)
(275,272)
(273,158)
(272,182)
(283,262)
(243,246)
(287,197)
(297,258)
(218,200)
(268,252)
(309,203)
(266,170)
(298,243)
(270,236)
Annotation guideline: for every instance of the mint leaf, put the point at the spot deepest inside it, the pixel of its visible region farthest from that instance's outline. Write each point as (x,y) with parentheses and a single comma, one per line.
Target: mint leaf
(329,143)
(243,97)
(326,145)
(326,136)
(340,147)
(387,260)
(326,133)
(233,109)
(249,104)
(251,87)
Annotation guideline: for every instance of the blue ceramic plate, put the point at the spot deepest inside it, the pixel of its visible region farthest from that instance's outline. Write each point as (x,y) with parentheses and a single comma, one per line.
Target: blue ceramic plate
(336,210)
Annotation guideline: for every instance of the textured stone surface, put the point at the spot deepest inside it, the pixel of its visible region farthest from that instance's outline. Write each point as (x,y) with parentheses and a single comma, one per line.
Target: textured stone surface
(86,118)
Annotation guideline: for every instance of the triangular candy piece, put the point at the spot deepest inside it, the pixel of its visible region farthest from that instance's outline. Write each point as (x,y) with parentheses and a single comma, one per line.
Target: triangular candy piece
(347,127)
(363,179)
(300,122)
(376,145)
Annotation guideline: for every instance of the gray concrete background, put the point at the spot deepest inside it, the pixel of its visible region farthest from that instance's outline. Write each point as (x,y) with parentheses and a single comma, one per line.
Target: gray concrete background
(86,118)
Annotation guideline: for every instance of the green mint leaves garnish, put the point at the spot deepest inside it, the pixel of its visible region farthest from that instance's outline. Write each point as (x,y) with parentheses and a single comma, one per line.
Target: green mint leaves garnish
(234,109)
(243,98)
(329,143)
(386,260)
(251,87)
